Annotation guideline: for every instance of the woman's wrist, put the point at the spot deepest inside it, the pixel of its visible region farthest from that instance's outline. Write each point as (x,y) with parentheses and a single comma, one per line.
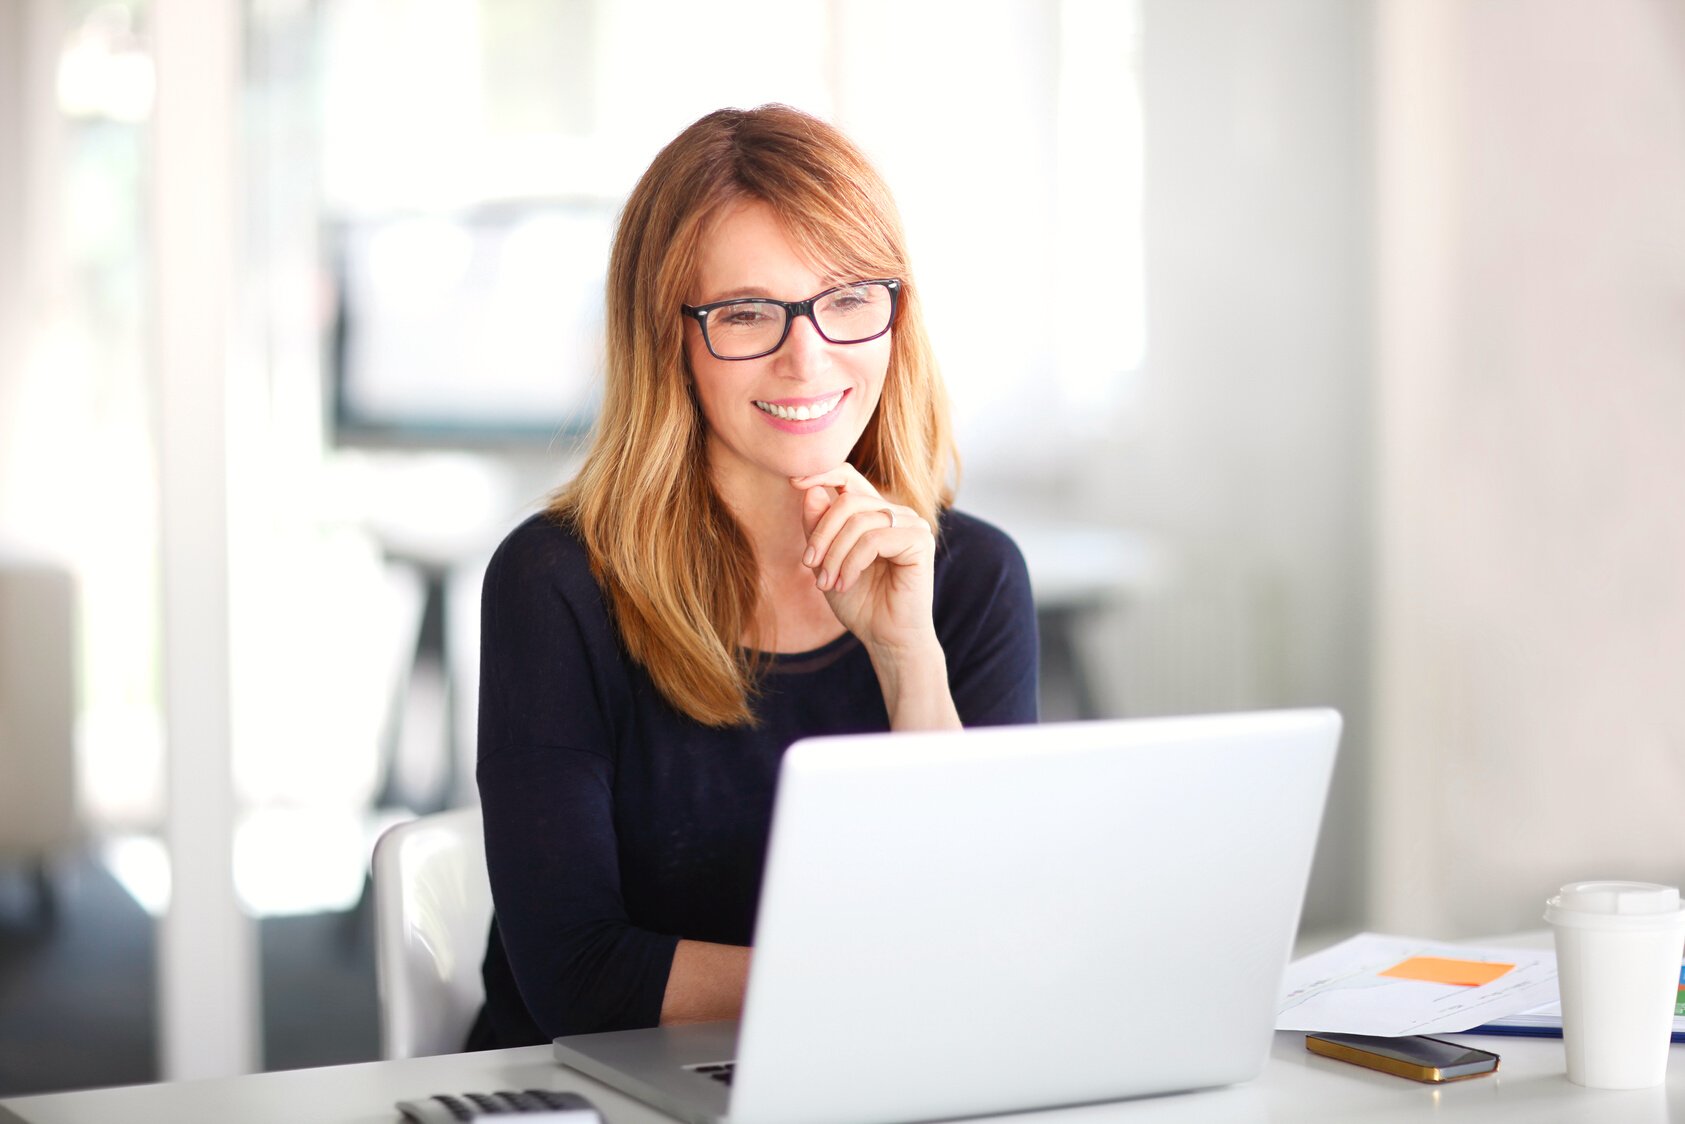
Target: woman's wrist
(914,679)
(706,982)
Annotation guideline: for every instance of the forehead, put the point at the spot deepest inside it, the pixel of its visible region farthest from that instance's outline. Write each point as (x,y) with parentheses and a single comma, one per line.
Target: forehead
(746,252)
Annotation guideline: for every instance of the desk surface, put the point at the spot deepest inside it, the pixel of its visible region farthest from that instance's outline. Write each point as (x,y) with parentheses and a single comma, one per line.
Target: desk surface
(1295,1086)
(1530,1087)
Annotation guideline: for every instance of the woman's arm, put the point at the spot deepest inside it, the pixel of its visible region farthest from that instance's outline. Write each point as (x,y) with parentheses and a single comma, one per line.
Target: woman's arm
(547,776)
(915,686)
(986,620)
(966,654)
(578,962)
(875,562)
(707,983)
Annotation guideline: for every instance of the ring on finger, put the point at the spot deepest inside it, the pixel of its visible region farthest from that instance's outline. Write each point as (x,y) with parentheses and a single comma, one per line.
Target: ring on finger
(889,511)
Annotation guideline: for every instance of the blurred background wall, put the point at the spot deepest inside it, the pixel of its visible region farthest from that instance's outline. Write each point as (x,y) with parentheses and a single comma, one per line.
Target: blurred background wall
(11,188)
(1248,446)
(1358,379)
(1531,440)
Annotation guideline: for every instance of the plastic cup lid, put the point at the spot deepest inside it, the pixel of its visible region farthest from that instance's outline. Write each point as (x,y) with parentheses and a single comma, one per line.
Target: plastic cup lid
(1641,901)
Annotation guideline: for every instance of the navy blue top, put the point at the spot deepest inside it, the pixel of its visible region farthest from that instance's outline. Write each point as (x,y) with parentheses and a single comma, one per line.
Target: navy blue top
(616,825)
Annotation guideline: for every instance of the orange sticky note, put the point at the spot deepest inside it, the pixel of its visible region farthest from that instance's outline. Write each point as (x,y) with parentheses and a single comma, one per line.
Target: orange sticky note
(1439,969)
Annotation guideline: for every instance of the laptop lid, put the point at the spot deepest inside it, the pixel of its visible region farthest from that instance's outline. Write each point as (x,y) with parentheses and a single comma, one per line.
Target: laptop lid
(982,921)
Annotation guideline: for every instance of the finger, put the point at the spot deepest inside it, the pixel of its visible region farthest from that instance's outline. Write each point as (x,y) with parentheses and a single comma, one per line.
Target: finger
(815,502)
(844,508)
(859,525)
(899,547)
(844,478)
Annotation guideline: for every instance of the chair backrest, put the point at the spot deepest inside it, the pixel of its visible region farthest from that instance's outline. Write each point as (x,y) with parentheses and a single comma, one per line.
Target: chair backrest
(37,708)
(432,910)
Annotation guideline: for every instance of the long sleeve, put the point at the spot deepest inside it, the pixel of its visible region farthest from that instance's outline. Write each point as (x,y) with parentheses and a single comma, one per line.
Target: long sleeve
(986,621)
(616,825)
(546,776)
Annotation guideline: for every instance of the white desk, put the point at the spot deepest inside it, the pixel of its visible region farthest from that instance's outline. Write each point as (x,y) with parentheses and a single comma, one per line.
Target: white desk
(1295,1087)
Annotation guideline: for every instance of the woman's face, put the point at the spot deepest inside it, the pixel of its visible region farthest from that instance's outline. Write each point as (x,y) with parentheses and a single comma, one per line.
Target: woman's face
(746,254)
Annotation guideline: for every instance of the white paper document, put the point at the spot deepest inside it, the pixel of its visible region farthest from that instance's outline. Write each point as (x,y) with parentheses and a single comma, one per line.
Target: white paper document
(1548,1018)
(1343,990)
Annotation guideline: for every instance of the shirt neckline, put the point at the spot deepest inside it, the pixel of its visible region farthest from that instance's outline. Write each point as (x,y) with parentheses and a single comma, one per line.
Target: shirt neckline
(810,660)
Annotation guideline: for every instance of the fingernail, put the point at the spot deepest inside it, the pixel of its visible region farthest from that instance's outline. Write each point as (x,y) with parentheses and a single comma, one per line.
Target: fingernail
(824,578)
(807,559)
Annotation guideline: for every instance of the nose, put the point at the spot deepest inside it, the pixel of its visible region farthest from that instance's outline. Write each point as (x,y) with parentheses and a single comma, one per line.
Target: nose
(805,352)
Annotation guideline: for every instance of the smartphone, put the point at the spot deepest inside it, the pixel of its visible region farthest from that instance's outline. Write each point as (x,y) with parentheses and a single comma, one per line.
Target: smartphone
(1417,1057)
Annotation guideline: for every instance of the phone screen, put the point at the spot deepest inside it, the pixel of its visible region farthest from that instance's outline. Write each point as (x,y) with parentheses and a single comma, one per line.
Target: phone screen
(1417,1057)
(1418,1050)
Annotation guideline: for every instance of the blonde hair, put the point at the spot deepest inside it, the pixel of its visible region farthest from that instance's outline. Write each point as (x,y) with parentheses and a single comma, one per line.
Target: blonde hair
(680,575)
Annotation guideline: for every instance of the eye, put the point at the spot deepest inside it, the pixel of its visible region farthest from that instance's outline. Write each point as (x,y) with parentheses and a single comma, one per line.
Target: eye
(742,316)
(849,300)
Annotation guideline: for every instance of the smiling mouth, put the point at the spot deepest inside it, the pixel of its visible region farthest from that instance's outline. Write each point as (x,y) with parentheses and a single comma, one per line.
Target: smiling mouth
(809,411)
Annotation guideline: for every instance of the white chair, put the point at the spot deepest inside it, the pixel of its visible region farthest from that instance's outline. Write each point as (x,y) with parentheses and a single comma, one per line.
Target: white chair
(432,907)
(38,820)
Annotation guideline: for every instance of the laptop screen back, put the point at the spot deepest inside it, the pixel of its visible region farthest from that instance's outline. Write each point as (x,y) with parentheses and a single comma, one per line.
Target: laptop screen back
(981,921)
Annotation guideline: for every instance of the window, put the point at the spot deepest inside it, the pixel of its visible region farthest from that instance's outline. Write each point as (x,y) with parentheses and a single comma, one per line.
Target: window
(459,135)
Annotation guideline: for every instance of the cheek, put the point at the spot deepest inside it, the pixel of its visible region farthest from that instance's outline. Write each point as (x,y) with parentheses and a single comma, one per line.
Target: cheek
(874,366)
(701,368)
(708,394)
(721,389)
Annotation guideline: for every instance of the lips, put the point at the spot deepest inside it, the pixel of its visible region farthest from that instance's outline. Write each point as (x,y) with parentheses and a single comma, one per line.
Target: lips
(800,409)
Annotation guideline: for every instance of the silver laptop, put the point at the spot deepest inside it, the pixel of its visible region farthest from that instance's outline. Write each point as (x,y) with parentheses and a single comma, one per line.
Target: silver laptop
(983,921)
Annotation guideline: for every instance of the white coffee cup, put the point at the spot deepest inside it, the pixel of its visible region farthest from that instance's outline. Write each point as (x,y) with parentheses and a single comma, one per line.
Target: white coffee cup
(1618,947)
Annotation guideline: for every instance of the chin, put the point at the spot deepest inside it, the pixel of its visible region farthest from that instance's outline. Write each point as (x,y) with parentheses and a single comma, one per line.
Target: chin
(812,463)
(821,458)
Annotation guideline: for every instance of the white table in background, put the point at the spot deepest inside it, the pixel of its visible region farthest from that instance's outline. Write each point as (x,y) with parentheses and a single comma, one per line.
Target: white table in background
(1078,572)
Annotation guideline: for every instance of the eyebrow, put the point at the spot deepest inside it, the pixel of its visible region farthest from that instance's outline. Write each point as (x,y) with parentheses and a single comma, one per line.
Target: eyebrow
(744,291)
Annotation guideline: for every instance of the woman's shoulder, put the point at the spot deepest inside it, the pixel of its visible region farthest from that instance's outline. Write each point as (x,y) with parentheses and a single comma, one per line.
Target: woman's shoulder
(985,616)
(543,552)
(978,566)
(542,538)
(975,543)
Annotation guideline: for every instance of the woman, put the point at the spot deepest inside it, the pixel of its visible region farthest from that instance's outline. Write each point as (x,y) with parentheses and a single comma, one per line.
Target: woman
(758,548)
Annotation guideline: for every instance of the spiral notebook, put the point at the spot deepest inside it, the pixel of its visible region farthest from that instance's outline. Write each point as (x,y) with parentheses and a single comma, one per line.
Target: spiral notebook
(1546,1021)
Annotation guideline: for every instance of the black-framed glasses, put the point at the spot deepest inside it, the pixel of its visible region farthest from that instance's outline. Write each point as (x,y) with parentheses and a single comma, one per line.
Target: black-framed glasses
(751,327)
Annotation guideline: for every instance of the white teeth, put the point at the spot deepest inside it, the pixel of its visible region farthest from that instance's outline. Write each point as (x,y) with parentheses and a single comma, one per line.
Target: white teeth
(801,413)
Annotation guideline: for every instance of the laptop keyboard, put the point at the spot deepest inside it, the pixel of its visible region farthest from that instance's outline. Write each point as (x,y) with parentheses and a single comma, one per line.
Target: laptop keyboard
(719,1071)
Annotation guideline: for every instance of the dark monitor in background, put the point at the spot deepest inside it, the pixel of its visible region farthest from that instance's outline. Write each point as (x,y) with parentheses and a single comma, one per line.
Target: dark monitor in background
(479,328)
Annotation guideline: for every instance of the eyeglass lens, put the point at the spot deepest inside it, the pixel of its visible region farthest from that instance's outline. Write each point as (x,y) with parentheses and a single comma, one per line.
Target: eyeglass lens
(847,315)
